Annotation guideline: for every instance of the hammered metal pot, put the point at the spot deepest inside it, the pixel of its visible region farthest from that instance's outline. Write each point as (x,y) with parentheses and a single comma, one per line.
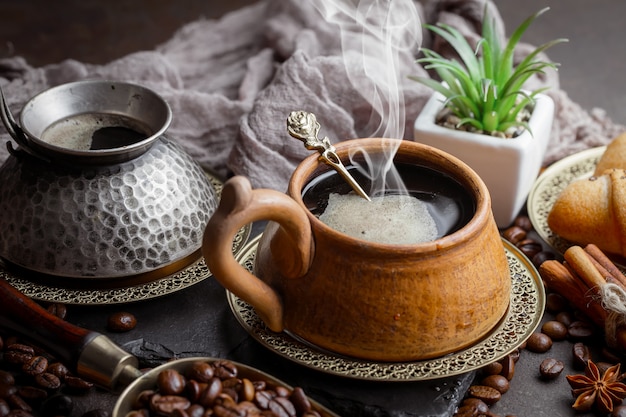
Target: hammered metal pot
(136,210)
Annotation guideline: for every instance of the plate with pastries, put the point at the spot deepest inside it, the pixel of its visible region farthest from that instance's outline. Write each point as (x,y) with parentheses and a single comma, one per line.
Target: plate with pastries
(581,199)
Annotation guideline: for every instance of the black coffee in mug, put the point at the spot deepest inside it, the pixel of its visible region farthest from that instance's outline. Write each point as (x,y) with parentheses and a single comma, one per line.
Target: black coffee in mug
(449,206)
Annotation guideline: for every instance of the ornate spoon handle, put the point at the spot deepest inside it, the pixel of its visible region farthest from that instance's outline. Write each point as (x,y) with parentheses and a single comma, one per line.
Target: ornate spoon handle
(304,126)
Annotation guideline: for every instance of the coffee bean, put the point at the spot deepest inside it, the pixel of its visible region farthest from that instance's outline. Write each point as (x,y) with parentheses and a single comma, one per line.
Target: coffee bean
(488,395)
(143,399)
(581,355)
(555,302)
(32,394)
(165,404)
(539,343)
(580,330)
(541,257)
(263,398)
(555,330)
(508,367)
(529,247)
(201,371)
(478,405)
(170,382)
(230,392)
(193,389)
(195,410)
(551,368)
(225,369)
(48,381)
(523,222)
(211,392)
(282,407)
(57,309)
(35,366)
(498,382)
(78,385)
(565,317)
(246,390)
(514,234)
(300,400)
(493,368)
(121,322)
(18,354)
(58,369)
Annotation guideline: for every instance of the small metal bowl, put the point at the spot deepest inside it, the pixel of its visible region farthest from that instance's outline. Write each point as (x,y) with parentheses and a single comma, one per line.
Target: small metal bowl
(132,204)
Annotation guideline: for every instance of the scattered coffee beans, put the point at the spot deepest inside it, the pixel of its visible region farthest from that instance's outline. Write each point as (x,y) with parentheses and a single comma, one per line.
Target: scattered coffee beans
(555,302)
(121,322)
(581,355)
(498,382)
(539,342)
(486,394)
(551,368)
(555,330)
(580,330)
(33,383)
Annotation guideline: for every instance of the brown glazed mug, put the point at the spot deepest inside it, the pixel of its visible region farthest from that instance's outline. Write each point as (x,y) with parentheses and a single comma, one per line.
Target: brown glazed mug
(380,302)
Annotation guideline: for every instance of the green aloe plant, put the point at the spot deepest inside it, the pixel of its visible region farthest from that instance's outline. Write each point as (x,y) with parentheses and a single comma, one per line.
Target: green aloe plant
(485,89)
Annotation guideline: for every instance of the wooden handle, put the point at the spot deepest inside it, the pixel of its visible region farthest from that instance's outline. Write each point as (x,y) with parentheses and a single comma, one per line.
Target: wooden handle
(24,317)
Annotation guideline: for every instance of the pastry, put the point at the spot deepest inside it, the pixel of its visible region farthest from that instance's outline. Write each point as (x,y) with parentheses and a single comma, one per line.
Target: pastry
(614,156)
(593,211)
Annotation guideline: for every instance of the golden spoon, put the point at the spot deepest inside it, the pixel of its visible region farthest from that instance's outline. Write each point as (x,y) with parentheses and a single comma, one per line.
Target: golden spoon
(304,126)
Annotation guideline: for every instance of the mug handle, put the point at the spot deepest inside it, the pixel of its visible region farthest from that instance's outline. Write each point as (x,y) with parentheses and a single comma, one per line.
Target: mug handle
(240,205)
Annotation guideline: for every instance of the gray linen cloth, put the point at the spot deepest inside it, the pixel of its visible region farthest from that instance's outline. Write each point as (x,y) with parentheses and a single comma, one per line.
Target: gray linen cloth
(232,82)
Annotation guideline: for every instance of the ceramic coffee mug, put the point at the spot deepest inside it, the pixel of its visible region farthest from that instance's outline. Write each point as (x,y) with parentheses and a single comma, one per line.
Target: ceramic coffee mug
(382,302)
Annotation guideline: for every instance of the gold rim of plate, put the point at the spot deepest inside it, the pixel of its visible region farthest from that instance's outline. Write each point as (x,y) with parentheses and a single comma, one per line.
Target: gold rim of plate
(192,274)
(550,184)
(520,321)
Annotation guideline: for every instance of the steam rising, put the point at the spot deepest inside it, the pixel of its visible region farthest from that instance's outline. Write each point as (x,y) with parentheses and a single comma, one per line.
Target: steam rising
(377,36)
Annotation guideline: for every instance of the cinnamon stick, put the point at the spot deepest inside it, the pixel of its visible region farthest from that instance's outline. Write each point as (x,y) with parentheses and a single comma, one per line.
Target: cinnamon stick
(584,267)
(559,279)
(599,256)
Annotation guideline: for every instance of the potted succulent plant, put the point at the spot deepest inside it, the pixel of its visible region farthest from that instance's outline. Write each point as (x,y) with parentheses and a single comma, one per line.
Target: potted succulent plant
(481,113)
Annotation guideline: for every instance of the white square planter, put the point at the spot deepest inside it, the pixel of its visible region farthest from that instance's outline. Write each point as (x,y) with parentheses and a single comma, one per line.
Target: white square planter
(508,167)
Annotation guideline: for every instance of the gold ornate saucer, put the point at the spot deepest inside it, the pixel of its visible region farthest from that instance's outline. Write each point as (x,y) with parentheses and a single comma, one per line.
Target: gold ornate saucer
(521,319)
(550,184)
(188,276)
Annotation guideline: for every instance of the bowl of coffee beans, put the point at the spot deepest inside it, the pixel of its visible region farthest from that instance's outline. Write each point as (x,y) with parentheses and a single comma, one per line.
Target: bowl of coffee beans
(219,387)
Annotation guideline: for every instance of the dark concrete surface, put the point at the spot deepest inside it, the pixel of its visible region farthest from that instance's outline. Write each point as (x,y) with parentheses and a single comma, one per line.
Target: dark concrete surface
(592,71)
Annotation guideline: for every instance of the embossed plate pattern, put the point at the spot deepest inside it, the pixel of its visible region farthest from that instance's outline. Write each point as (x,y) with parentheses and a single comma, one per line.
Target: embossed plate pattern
(550,184)
(187,277)
(521,319)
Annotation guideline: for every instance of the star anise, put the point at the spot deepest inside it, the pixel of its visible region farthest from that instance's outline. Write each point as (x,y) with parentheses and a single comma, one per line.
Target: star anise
(602,390)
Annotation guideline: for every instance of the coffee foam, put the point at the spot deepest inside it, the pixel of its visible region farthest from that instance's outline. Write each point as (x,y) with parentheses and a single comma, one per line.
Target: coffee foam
(391,219)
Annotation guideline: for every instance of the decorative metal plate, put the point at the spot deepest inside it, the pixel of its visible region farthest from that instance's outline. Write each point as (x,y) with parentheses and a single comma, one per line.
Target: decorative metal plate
(190,275)
(521,319)
(550,184)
